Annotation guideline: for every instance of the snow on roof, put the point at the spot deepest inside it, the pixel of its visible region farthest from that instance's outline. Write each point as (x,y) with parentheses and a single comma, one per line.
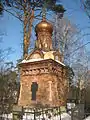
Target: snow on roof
(39,59)
(31,60)
(60,62)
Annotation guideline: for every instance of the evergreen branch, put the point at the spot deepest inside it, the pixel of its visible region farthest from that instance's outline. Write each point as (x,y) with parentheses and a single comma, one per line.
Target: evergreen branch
(13,14)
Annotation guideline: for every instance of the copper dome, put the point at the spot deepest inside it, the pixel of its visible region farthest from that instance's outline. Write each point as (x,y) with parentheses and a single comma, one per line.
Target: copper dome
(44,26)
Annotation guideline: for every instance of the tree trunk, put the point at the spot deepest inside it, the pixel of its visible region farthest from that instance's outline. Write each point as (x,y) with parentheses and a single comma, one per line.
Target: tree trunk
(28,20)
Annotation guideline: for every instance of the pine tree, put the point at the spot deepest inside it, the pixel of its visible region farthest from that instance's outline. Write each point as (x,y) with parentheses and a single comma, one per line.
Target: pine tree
(28,10)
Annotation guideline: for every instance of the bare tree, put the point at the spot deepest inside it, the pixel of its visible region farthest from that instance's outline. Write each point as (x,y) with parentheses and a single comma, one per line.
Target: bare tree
(69,41)
(8,88)
(65,37)
(86,6)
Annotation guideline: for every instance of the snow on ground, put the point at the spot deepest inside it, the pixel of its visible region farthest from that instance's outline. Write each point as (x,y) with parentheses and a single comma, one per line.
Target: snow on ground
(65,116)
(88,118)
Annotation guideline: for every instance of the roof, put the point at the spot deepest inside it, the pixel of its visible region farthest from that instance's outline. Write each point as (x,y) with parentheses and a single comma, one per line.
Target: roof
(40,59)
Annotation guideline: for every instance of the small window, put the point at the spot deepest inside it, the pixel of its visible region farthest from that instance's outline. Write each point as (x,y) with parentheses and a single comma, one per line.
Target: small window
(50,46)
(39,45)
(45,45)
(34,89)
(56,57)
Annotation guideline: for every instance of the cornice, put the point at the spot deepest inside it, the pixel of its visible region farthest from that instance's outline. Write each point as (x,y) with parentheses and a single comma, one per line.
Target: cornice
(41,67)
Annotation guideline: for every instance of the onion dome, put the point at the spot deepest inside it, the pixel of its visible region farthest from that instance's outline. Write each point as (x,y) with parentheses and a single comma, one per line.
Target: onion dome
(44,26)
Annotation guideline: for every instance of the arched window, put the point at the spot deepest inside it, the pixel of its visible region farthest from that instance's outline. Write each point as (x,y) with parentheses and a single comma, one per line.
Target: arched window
(39,45)
(34,88)
(45,45)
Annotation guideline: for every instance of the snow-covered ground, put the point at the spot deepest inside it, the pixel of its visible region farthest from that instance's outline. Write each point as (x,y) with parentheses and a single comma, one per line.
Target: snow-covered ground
(88,118)
(64,116)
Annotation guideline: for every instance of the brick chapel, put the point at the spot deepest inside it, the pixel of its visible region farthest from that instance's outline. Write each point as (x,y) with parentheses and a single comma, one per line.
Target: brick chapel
(43,78)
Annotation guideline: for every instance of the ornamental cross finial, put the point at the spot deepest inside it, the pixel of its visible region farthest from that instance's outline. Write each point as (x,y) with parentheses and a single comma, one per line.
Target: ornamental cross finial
(44,11)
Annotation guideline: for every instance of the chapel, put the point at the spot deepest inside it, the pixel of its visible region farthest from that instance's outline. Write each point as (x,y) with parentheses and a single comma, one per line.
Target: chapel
(43,78)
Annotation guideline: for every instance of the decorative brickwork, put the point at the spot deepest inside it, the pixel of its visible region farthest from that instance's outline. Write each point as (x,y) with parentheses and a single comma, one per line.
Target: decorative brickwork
(44,67)
(52,84)
(44,35)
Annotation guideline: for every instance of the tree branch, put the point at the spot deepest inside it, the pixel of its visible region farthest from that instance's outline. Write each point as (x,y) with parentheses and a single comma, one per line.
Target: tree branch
(13,14)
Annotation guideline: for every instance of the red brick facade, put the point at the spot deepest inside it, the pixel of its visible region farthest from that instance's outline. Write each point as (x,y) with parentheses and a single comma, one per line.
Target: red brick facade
(43,66)
(51,79)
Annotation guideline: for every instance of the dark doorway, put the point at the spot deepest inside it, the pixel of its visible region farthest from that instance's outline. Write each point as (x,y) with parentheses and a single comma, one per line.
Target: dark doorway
(34,89)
